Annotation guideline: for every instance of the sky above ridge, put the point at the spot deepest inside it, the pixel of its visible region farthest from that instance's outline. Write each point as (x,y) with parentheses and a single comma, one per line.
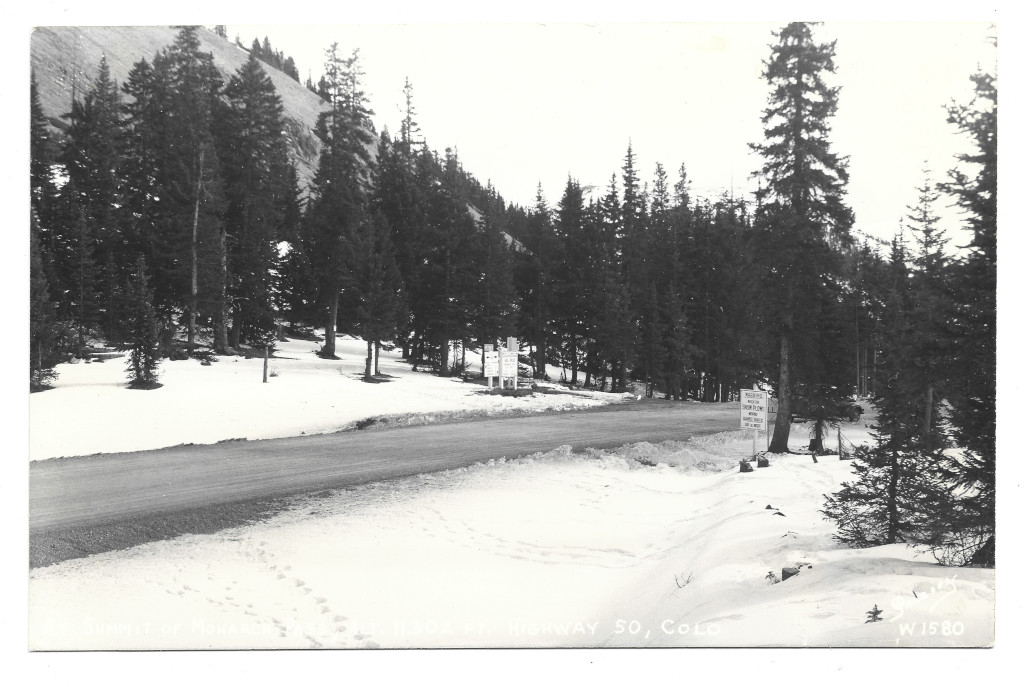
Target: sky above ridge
(531,103)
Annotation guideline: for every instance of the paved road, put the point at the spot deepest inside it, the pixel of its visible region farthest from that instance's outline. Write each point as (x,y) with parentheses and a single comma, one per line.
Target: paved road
(104,489)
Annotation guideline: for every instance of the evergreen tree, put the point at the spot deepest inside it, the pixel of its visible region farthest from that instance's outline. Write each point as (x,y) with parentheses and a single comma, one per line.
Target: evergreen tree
(339,197)
(802,217)
(575,278)
(669,350)
(44,331)
(142,176)
(535,268)
(493,299)
(931,294)
(410,136)
(142,324)
(42,151)
(377,288)
(195,184)
(895,494)
(257,183)
(972,393)
(398,198)
(76,266)
(92,160)
(448,274)
(174,191)
(614,331)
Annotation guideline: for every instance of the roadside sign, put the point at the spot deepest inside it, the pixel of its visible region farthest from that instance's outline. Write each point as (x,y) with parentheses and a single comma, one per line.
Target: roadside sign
(491,363)
(754,409)
(510,363)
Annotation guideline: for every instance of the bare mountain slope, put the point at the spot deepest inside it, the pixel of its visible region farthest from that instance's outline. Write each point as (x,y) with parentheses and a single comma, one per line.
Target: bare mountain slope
(65,59)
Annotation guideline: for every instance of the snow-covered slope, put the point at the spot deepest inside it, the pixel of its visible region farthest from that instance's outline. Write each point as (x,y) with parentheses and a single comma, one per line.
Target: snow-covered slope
(65,60)
(665,545)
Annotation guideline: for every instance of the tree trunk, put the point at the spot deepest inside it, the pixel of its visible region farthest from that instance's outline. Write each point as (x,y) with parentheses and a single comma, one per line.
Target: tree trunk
(193,301)
(235,333)
(330,324)
(575,361)
(376,358)
(220,324)
(891,506)
(623,371)
(442,358)
(369,361)
(819,429)
(926,430)
(784,416)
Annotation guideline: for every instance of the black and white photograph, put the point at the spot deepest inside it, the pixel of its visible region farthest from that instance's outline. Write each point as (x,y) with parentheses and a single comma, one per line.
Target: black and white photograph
(465,334)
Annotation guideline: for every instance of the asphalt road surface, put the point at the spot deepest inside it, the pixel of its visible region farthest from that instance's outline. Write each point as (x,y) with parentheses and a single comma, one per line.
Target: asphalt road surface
(98,496)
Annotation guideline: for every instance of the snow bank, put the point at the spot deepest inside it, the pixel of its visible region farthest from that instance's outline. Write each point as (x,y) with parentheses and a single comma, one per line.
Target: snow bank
(650,545)
(90,410)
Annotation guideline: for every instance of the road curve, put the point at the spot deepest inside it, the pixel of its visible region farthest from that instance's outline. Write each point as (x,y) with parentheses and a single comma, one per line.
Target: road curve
(99,490)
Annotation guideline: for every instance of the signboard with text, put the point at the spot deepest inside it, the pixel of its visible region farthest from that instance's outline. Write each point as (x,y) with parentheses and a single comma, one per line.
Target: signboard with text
(509,363)
(754,409)
(491,363)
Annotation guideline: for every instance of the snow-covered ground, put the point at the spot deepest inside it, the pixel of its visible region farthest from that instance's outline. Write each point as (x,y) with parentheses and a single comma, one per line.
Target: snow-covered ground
(90,409)
(649,545)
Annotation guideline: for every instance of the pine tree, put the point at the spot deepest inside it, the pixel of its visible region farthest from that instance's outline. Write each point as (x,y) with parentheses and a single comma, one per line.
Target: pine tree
(195,185)
(575,277)
(380,309)
(931,295)
(802,216)
(493,299)
(257,178)
(141,175)
(42,151)
(534,280)
(973,385)
(142,325)
(80,274)
(44,332)
(410,136)
(339,198)
(896,492)
(398,198)
(174,188)
(92,159)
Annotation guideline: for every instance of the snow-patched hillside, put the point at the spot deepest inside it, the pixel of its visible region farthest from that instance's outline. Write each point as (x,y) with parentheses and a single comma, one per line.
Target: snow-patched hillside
(90,409)
(665,545)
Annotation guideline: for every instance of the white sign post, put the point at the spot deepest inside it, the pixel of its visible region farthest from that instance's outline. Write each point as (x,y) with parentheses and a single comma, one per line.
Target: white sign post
(510,362)
(491,362)
(754,412)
